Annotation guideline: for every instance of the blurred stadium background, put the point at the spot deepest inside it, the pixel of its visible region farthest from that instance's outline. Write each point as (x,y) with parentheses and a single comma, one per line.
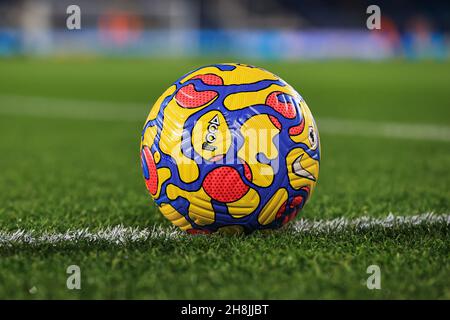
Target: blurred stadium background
(268,29)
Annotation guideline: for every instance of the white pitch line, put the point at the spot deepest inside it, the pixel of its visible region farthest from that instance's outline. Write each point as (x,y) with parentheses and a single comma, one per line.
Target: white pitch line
(115,111)
(366,223)
(72,109)
(427,132)
(121,235)
(115,235)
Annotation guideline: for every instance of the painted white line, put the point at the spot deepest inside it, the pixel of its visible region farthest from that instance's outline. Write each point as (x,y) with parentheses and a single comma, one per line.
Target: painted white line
(428,132)
(121,235)
(366,223)
(111,235)
(72,109)
(115,111)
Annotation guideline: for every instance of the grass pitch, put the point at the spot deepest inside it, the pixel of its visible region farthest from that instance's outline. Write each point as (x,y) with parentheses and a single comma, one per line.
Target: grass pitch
(69,159)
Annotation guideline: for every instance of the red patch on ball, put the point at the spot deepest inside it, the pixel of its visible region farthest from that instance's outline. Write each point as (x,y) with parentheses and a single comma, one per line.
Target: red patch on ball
(152,181)
(225,184)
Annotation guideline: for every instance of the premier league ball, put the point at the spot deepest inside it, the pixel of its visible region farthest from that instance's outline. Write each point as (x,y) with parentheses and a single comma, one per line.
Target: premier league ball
(230,147)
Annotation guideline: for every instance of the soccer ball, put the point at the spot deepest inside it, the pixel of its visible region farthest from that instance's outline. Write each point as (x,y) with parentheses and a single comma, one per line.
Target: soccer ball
(230,147)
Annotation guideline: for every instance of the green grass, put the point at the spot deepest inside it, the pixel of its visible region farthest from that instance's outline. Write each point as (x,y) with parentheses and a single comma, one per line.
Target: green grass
(60,173)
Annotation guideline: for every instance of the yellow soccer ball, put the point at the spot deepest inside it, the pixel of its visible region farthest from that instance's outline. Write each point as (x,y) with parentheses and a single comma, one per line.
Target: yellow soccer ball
(230,147)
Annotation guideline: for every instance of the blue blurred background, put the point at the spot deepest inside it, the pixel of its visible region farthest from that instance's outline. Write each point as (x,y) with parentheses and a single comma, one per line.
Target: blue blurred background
(266,29)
